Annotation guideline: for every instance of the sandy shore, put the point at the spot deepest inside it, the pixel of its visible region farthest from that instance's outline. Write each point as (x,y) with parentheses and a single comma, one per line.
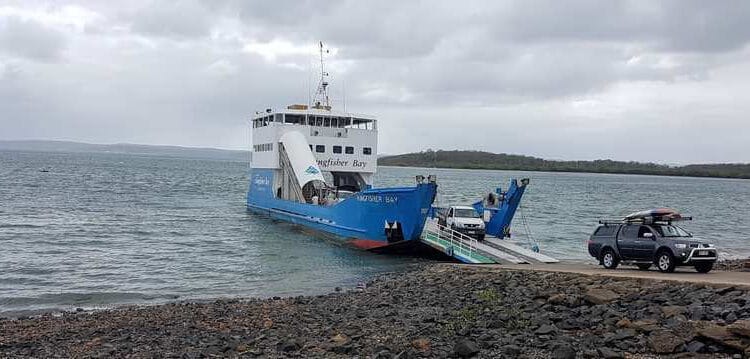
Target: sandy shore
(437,310)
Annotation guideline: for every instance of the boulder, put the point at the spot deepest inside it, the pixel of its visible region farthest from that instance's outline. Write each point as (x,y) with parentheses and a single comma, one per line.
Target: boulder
(664,342)
(557,299)
(672,310)
(600,296)
(546,329)
(645,325)
(465,348)
(695,347)
(721,335)
(740,327)
(563,351)
(624,323)
(512,350)
(608,353)
(288,346)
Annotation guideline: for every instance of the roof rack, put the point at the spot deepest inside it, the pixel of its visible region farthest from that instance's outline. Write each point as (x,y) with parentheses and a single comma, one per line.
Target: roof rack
(644,220)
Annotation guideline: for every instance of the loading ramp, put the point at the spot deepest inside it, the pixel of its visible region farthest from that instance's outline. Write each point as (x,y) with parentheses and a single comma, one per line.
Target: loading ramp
(468,250)
(522,252)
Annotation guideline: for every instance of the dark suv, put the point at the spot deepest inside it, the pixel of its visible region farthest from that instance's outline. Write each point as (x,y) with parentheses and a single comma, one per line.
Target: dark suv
(663,244)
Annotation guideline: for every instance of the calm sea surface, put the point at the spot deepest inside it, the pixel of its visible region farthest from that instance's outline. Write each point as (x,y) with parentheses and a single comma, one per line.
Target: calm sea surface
(104,229)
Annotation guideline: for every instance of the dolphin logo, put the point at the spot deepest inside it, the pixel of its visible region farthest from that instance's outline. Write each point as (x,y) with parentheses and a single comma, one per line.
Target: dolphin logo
(312,170)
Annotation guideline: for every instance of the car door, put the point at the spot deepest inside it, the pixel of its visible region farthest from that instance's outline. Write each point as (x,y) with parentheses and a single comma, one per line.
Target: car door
(645,244)
(626,240)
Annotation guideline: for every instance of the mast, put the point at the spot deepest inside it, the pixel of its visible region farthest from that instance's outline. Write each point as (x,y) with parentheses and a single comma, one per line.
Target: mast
(321,100)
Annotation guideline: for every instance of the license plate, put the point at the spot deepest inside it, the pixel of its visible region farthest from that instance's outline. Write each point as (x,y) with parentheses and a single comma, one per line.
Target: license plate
(471,232)
(702,253)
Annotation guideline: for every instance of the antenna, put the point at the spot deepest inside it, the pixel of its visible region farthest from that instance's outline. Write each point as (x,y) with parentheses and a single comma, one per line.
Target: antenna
(321,95)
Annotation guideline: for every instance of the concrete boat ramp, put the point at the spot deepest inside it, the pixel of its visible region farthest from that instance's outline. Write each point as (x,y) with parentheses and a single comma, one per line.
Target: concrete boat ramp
(468,250)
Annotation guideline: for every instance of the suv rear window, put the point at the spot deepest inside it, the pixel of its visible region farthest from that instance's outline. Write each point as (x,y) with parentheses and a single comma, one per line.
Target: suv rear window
(606,231)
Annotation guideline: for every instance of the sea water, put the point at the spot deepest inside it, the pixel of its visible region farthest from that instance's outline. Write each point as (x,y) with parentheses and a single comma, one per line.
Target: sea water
(96,230)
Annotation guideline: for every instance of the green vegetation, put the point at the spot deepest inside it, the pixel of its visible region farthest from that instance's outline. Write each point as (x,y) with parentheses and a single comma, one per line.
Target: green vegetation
(502,161)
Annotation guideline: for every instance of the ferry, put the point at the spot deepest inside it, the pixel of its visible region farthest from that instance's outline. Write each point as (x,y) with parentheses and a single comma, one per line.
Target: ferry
(314,167)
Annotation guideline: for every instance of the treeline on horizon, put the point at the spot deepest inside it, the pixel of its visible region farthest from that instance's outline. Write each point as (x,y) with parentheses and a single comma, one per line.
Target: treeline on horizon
(502,161)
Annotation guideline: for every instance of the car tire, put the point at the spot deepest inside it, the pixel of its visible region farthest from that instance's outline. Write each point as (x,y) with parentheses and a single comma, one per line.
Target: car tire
(704,267)
(665,262)
(644,266)
(610,259)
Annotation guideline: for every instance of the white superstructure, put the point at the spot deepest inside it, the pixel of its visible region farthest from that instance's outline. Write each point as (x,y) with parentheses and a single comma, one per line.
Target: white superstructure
(344,145)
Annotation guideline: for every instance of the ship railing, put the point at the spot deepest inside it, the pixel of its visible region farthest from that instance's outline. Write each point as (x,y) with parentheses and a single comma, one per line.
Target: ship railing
(458,241)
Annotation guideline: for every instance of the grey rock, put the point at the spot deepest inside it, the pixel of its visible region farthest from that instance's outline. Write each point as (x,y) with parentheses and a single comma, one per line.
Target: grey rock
(288,346)
(695,347)
(563,351)
(512,350)
(383,354)
(465,348)
(546,329)
(608,353)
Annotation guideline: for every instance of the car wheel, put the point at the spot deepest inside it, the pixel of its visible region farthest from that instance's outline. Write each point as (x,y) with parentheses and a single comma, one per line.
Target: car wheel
(704,267)
(645,266)
(665,262)
(609,259)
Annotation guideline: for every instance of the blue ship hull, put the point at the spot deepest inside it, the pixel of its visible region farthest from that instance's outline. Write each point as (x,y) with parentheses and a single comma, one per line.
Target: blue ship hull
(369,219)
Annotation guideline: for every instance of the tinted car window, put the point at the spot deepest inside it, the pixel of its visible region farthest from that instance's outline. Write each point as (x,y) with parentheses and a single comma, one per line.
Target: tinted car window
(671,231)
(630,231)
(605,231)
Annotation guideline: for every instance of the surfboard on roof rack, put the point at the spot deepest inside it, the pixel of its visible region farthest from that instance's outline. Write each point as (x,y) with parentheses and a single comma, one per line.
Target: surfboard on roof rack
(657,214)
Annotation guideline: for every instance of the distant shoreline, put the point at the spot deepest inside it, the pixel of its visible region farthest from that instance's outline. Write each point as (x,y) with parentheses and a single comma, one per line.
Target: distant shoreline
(126,149)
(504,162)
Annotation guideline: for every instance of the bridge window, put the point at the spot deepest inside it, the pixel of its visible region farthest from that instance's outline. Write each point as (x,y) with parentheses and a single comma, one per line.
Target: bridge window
(366,150)
(294,119)
(362,123)
(336,149)
(349,150)
(320,148)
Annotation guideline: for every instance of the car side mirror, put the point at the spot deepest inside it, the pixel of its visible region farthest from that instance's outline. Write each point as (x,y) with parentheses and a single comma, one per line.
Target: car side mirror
(648,235)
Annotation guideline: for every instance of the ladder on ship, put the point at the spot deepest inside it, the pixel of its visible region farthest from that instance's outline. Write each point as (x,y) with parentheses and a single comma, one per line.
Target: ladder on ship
(468,250)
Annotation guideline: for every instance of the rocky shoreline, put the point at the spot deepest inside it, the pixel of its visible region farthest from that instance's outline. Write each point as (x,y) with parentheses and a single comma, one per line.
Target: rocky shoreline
(437,310)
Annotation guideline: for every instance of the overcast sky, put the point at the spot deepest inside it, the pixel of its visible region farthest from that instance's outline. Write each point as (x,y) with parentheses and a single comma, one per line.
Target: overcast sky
(665,81)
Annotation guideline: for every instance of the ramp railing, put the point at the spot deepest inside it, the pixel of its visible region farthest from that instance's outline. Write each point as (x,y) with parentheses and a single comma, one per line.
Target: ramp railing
(453,240)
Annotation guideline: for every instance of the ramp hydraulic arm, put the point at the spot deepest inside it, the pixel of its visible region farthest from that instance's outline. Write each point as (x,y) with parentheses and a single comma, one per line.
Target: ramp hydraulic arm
(498,208)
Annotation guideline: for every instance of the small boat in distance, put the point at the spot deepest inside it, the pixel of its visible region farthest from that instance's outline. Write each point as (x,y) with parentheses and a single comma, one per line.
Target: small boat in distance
(314,167)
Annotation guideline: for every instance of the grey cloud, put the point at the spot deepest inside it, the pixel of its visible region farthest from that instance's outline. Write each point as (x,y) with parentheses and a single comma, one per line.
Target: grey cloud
(670,25)
(30,39)
(509,71)
(179,19)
